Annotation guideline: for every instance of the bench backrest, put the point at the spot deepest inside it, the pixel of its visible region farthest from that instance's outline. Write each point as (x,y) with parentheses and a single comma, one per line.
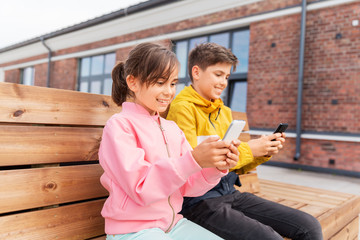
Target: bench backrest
(49,174)
(49,171)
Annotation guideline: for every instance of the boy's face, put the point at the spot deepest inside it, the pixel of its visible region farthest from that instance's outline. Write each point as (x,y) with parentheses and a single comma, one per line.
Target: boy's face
(212,81)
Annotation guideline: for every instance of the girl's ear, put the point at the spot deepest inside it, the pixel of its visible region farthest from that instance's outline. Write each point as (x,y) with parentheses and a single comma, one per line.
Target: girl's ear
(132,83)
(195,71)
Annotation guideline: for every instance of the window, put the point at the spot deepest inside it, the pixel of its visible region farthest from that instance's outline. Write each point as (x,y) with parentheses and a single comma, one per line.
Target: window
(28,76)
(238,40)
(95,74)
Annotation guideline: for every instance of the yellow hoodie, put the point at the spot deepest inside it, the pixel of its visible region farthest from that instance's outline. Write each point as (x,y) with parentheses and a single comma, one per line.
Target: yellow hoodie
(200,118)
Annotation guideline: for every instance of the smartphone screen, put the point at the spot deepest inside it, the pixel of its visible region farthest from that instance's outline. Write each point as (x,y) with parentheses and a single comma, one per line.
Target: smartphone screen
(280,129)
(234,130)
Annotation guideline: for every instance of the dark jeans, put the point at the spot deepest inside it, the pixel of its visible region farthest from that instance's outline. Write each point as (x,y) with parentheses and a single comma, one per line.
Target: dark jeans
(246,216)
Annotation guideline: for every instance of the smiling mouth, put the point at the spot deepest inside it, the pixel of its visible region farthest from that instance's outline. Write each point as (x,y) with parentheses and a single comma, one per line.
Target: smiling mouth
(163,101)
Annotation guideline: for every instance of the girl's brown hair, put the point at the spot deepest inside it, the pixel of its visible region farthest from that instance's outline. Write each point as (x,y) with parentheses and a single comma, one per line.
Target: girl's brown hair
(148,62)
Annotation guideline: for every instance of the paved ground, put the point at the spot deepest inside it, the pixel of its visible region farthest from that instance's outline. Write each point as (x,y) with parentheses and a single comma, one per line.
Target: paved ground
(311,179)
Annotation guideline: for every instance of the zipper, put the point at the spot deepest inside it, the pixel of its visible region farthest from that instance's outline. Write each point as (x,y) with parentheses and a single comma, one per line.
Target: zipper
(169,198)
(165,139)
(173,218)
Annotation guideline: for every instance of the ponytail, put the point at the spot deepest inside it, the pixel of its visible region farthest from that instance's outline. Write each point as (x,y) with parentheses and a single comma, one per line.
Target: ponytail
(120,90)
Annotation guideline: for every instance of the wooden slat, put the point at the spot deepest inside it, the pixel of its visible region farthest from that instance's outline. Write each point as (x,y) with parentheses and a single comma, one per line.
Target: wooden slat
(30,104)
(37,187)
(76,221)
(249,183)
(241,116)
(21,145)
(340,216)
(339,195)
(305,194)
(244,137)
(350,231)
(315,210)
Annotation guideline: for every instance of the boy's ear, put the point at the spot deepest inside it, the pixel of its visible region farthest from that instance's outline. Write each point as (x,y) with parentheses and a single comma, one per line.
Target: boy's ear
(195,71)
(132,83)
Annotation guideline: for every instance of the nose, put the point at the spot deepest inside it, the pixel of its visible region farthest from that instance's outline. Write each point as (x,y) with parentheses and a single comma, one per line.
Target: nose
(224,82)
(167,89)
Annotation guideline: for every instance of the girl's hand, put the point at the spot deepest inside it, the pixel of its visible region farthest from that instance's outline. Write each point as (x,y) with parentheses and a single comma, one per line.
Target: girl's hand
(264,146)
(211,153)
(232,156)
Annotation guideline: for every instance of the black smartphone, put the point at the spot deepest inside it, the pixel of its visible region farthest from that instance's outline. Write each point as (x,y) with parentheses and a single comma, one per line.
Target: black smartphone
(281,128)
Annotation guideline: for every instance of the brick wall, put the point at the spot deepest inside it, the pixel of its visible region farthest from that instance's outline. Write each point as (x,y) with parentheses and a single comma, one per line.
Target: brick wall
(64,74)
(13,76)
(331,99)
(319,153)
(272,76)
(332,71)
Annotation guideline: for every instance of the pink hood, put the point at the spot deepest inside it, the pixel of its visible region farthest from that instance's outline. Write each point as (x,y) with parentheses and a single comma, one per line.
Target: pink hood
(145,185)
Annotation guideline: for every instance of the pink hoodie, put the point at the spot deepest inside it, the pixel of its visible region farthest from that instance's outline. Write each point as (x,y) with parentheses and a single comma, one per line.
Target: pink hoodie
(146,186)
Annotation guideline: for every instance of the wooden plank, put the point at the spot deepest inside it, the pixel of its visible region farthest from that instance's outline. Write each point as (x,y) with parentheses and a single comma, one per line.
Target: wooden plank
(340,216)
(335,194)
(241,116)
(304,194)
(30,104)
(244,137)
(296,196)
(350,231)
(249,183)
(315,210)
(32,188)
(76,221)
(22,145)
(292,204)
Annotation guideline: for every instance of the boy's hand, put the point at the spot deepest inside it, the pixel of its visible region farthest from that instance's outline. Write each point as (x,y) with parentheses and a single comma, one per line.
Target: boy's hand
(232,156)
(211,153)
(263,146)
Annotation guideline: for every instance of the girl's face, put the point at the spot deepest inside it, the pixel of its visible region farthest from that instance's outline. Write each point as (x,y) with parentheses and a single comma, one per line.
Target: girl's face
(211,82)
(157,97)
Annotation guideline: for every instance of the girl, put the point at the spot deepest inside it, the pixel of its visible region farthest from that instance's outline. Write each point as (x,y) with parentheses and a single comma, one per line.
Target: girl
(148,164)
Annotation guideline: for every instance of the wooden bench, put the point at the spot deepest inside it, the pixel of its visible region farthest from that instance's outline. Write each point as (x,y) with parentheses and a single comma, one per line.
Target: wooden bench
(49,173)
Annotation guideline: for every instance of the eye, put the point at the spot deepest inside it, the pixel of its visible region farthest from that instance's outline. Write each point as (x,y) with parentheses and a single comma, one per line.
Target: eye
(160,83)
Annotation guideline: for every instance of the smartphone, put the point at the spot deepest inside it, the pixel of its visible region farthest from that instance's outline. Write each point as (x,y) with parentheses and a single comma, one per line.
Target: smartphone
(234,130)
(281,128)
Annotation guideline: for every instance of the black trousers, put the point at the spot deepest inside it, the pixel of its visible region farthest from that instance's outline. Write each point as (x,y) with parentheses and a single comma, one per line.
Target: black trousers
(246,216)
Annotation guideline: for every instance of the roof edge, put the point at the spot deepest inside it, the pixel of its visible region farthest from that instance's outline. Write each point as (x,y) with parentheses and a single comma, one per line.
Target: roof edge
(92,22)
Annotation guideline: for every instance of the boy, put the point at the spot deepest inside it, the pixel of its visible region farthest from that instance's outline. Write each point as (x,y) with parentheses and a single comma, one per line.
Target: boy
(200,113)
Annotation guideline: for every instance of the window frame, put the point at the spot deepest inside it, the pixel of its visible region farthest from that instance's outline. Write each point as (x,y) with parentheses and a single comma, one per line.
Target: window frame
(89,79)
(22,75)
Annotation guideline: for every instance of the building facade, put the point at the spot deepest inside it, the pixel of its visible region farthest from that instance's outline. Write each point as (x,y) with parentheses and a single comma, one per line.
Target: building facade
(266,37)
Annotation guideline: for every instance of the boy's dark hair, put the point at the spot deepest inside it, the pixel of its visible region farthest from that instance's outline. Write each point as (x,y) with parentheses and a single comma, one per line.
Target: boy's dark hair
(208,54)
(148,62)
